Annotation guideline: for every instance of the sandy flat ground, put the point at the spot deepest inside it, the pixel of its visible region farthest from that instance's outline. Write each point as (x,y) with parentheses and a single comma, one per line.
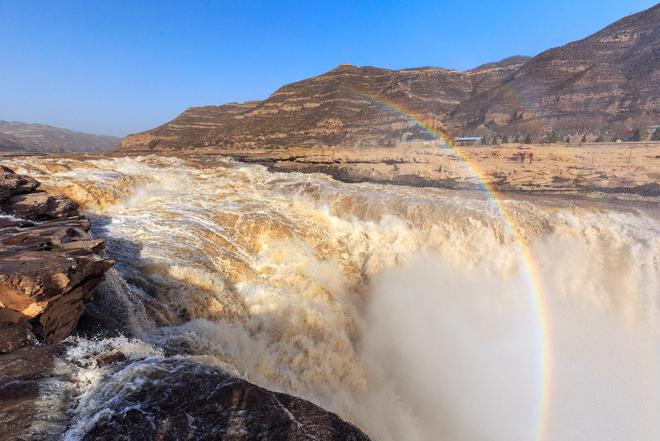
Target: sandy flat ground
(632,168)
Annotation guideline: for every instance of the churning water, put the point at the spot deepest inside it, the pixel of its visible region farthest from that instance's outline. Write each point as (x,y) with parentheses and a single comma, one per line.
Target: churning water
(408,311)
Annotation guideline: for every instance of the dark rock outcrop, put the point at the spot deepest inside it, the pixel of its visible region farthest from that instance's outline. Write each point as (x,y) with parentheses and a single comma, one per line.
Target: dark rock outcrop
(605,82)
(174,399)
(40,205)
(12,184)
(149,399)
(49,263)
(24,378)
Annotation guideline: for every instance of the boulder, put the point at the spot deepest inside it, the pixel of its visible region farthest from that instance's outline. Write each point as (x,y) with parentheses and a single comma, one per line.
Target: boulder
(51,286)
(12,184)
(40,205)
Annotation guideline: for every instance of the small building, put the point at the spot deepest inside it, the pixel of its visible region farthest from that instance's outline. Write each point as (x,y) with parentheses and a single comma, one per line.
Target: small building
(468,140)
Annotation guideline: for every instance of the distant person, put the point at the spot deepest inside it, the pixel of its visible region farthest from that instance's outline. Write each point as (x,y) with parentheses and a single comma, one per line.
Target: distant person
(531,156)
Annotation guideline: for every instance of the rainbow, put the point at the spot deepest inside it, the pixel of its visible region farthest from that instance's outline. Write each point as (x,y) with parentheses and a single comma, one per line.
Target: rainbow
(529,270)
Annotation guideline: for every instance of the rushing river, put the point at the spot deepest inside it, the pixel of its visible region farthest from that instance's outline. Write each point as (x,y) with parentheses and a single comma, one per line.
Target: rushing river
(412,312)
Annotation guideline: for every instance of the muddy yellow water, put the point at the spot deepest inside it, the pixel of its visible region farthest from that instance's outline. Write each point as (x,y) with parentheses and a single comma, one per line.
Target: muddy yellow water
(414,313)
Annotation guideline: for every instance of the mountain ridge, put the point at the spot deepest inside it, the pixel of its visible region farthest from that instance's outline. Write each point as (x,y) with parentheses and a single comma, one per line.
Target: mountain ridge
(34,137)
(604,83)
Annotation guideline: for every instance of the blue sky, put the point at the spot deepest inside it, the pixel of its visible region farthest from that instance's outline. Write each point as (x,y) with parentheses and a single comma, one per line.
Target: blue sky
(118,67)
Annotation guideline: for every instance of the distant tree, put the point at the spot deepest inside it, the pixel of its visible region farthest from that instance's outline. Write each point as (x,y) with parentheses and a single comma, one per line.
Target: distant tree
(584,138)
(528,139)
(600,138)
(505,139)
(494,140)
(552,137)
(656,135)
(637,135)
(517,139)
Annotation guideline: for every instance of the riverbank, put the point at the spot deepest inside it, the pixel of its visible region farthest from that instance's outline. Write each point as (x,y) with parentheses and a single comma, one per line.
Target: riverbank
(632,169)
(627,170)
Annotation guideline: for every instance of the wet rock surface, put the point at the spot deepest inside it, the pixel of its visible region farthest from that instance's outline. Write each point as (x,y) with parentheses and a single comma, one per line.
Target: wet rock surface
(42,397)
(25,375)
(49,263)
(175,400)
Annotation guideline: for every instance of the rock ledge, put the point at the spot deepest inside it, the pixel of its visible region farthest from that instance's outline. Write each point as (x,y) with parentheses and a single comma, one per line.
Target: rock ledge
(49,263)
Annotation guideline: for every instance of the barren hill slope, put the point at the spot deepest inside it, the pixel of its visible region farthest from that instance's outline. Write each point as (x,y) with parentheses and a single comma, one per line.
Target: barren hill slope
(45,138)
(348,105)
(607,81)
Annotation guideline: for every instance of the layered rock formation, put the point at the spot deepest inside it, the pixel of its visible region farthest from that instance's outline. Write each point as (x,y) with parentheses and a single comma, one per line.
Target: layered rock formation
(24,373)
(49,263)
(20,136)
(349,106)
(606,82)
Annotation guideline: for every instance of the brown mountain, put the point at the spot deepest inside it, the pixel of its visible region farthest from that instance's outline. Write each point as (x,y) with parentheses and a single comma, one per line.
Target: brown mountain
(608,80)
(605,82)
(20,136)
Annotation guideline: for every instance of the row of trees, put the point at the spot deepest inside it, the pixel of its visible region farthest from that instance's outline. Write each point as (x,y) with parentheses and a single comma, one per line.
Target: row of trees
(504,139)
(637,135)
(634,135)
(552,137)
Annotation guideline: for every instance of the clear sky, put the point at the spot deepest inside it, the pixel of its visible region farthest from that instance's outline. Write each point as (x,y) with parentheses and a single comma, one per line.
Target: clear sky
(118,67)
